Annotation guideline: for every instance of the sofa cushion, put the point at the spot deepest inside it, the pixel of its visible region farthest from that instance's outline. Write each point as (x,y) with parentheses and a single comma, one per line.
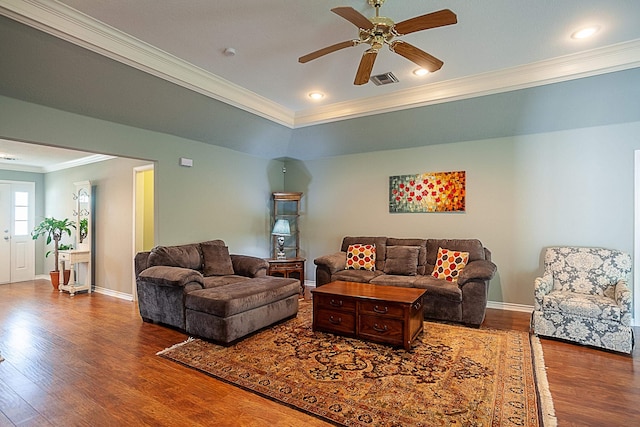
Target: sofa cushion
(186,256)
(216,260)
(449,264)
(380,242)
(215,281)
(438,288)
(573,303)
(394,280)
(422,255)
(225,301)
(362,276)
(170,276)
(361,257)
(402,260)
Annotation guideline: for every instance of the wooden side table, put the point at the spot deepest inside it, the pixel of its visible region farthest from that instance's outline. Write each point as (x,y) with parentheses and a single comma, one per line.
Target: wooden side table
(289,268)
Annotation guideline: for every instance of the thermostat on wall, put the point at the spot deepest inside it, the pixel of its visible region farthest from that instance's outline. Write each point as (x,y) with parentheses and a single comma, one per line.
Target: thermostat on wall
(186,162)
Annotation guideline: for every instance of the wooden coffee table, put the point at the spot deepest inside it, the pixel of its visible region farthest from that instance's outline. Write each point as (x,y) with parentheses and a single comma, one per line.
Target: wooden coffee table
(386,314)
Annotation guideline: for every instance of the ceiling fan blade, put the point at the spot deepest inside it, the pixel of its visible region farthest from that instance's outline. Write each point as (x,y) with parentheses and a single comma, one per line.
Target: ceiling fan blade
(365,67)
(321,52)
(416,55)
(353,16)
(424,22)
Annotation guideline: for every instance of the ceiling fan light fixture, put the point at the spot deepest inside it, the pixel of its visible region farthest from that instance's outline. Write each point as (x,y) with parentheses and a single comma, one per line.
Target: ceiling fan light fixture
(420,72)
(585,32)
(316,96)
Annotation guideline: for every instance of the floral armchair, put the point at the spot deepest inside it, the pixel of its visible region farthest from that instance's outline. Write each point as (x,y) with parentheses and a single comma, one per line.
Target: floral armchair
(583,297)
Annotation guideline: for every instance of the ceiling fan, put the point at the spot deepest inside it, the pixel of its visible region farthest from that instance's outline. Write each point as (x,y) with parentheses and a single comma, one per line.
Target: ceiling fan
(381,30)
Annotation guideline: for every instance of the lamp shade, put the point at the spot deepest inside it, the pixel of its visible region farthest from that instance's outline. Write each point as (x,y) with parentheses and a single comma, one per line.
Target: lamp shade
(281,228)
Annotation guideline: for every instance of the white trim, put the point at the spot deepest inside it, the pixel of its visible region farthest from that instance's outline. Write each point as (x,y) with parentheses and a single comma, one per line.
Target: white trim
(112,293)
(636,239)
(71,25)
(509,306)
(95,158)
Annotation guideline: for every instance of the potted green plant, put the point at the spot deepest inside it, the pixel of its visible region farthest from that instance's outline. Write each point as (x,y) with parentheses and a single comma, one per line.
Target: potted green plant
(53,229)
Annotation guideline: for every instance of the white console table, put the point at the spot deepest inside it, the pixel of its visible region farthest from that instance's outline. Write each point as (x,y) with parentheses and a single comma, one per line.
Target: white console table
(72,258)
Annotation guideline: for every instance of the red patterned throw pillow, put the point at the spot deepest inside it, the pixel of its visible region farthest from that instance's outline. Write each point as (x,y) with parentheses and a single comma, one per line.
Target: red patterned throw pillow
(361,257)
(449,264)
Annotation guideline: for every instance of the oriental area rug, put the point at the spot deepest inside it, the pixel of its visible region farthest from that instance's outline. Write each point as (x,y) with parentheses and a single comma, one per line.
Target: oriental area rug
(453,375)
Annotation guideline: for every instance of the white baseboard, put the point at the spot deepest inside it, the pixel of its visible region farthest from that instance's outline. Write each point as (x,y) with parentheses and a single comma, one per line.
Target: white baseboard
(510,307)
(112,293)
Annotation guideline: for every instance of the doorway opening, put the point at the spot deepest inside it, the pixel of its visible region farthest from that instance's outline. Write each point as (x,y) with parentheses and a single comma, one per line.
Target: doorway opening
(143,212)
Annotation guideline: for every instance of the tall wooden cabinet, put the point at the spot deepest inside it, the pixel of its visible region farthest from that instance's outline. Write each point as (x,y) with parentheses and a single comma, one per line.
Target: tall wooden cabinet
(286,206)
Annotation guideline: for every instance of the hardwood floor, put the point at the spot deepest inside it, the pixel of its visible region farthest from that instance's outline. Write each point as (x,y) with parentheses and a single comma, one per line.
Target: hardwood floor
(90,361)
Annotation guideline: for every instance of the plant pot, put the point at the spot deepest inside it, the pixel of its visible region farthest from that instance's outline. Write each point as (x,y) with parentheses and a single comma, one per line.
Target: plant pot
(55,279)
(65,277)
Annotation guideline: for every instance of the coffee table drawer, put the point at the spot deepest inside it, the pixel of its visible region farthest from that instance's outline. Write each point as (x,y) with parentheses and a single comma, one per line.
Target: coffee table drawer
(384,309)
(382,329)
(335,321)
(334,302)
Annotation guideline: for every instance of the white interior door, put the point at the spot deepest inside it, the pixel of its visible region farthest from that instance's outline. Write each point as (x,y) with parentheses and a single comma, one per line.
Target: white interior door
(5,233)
(17,248)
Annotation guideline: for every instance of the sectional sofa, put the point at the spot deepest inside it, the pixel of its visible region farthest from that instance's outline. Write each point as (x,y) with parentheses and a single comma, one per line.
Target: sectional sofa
(203,290)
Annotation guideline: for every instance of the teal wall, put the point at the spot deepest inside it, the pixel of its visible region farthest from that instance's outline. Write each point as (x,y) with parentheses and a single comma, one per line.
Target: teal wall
(226,194)
(524,193)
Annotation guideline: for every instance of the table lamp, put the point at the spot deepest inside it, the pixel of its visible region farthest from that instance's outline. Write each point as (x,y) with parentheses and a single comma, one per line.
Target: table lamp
(281,229)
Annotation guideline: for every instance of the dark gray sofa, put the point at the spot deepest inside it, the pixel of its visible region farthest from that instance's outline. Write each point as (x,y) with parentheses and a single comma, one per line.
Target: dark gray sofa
(464,301)
(203,290)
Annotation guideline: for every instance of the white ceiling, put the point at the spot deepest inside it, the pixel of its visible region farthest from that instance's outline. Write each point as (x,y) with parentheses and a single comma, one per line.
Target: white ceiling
(496,46)
(25,157)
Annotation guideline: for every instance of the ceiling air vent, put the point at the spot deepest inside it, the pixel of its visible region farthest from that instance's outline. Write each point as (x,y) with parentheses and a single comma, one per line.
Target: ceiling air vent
(384,79)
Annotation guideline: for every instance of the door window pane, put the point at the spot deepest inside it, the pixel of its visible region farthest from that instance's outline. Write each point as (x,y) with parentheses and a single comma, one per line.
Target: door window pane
(21,213)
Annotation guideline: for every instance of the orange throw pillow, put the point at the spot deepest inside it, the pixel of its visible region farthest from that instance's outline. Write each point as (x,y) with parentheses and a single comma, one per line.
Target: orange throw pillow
(361,257)
(449,264)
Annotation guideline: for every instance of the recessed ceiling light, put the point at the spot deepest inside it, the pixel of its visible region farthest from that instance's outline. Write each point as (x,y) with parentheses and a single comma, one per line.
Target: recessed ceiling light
(585,32)
(420,72)
(316,95)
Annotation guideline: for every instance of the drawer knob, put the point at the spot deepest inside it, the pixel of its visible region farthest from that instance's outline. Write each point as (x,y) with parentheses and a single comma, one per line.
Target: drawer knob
(383,310)
(336,303)
(382,328)
(335,321)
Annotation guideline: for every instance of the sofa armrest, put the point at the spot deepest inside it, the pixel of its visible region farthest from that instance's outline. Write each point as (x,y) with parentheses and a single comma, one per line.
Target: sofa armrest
(624,300)
(333,262)
(249,266)
(141,262)
(171,276)
(541,287)
(480,269)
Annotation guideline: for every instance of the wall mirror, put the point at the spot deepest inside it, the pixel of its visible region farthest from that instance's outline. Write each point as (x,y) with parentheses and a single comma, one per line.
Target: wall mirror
(82,213)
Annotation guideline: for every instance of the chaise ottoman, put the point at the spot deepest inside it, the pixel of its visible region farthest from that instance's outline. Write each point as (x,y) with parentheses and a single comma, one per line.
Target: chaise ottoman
(229,312)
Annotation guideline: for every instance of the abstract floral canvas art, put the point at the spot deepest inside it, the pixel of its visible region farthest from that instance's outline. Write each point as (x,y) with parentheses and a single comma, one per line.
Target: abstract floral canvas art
(427,192)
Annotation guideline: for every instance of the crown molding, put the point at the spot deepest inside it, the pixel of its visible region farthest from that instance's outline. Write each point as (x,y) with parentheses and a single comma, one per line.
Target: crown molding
(94,158)
(604,60)
(73,26)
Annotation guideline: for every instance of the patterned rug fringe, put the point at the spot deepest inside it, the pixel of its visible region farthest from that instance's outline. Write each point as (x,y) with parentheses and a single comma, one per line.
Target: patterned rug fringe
(173,347)
(546,403)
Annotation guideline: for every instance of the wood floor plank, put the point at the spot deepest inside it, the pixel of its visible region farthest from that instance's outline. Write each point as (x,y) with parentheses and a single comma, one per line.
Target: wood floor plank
(90,361)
